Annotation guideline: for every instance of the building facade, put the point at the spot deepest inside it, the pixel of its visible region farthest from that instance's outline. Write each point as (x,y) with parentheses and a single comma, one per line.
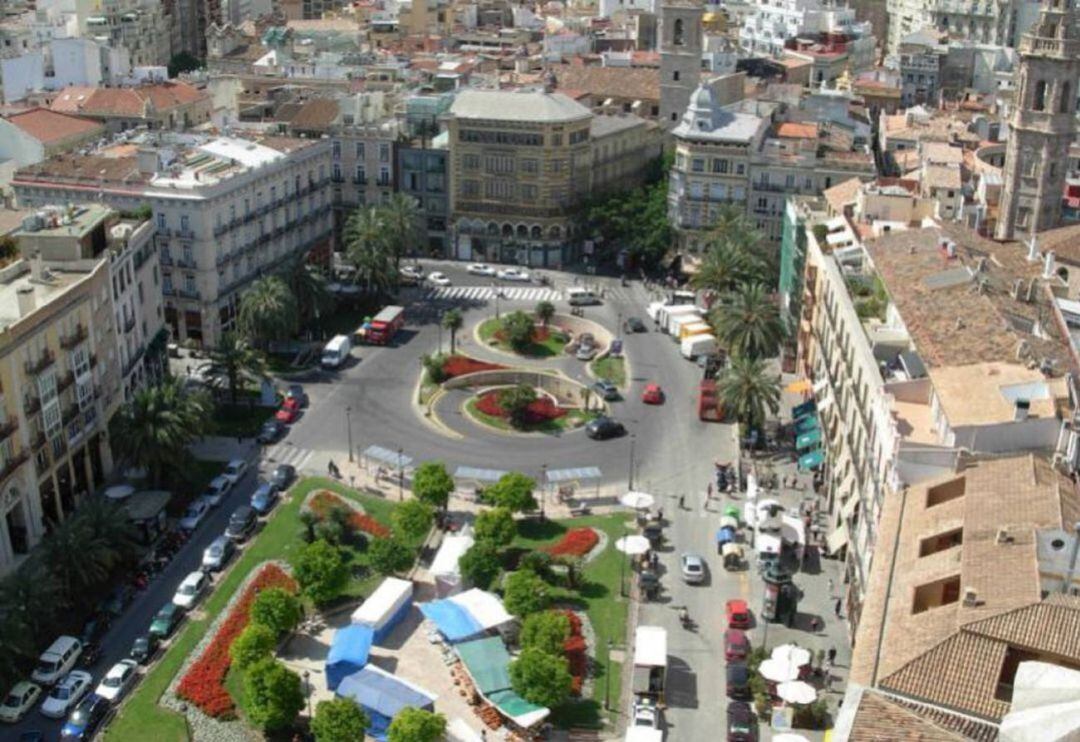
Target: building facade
(423,174)
(681,48)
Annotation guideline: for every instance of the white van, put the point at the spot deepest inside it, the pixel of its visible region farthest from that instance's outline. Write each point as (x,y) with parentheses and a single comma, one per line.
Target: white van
(579,297)
(336,351)
(57,661)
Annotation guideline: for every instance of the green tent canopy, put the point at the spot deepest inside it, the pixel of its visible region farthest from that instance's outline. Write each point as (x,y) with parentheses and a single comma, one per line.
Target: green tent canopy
(811,460)
(808,439)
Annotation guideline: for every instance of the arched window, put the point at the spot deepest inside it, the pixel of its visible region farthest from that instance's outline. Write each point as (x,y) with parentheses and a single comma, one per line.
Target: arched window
(537,233)
(508,230)
(555,233)
(493,228)
(1066,104)
(678,36)
(1038,101)
(522,231)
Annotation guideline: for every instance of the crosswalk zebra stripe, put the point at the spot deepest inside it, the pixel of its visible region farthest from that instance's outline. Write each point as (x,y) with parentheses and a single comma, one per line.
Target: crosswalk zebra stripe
(486,293)
(285,454)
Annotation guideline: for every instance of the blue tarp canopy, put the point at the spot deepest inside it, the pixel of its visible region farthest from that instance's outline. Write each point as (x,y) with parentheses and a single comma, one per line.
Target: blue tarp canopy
(574,475)
(811,460)
(725,535)
(386,456)
(452,621)
(808,439)
(348,653)
(382,697)
(804,409)
(480,475)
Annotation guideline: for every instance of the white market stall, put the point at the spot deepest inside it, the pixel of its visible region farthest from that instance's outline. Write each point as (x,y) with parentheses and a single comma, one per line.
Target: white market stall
(444,568)
(386,606)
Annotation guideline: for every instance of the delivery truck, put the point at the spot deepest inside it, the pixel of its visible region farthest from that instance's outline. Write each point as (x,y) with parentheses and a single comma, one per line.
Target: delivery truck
(650,662)
(679,321)
(381,328)
(698,345)
(667,313)
(694,328)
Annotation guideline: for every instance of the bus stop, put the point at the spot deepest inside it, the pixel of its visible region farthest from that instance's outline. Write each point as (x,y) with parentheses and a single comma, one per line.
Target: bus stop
(569,481)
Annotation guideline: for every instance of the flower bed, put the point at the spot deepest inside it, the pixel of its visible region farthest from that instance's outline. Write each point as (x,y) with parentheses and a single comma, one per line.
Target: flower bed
(455,366)
(204,682)
(576,655)
(323,502)
(575,542)
(540,411)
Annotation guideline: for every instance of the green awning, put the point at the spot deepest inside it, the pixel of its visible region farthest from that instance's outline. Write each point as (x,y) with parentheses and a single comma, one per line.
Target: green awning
(808,440)
(487,661)
(806,408)
(811,460)
(523,713)
(806,424)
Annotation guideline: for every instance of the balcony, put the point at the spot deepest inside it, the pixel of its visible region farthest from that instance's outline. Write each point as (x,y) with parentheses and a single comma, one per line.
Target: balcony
(7,428)
(65,381)
(166,260)
(187,262)
(35,367)
(12,465)
(188,293)
(76,336)
(31,404)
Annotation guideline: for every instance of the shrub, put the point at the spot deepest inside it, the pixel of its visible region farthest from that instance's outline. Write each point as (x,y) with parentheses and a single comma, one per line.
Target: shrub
(480,564)
(255,643)
(416,725)
(525,593)
(325,503)
(461,365)
(546,631)
(513,491)
(389,556)
(413,519)
(321,571)
(339,720)
(537,562)
(515,402)
(433,484)
(435,365)
(496,525)
(273,695)
(518,328)
(575,542)
(277,609)
(541,678)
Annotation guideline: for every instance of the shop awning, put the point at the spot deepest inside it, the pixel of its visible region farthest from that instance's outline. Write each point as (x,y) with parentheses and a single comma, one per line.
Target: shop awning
(808,440)
(348,654)
(574,475)
(799,386)
(806,408)
(838,539)
(806,423)
(811,460)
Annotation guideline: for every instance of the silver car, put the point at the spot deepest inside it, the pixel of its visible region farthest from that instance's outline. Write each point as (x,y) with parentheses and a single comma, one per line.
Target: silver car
(218,553)
(693,568)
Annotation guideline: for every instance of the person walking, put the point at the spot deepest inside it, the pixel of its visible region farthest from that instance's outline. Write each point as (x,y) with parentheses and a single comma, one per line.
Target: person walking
(832,585)
(682,502)
(839,604)
(708,492)
(832,655)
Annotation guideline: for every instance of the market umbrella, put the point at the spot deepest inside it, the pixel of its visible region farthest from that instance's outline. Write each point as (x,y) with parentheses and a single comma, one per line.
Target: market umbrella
(633,545)
(729,522)
(796,691)
(792,654)
(778,671)
(799,386)
(638,500)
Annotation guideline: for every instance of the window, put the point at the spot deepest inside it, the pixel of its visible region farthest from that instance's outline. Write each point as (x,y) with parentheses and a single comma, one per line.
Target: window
(675,75)
(384,176)
(359,150)
(184,224)
(360,176)
(697,165)
(529,192)
(936,594)
(678,35)
(501,189)
(674,116)
(946,491)
(384,152)
(740,168)
(1065,104)
(161,221)
(337,173)
(530,166)
(336,149)
(47,388)
(941,542)
(470,188)
(471,162)
(719,166)
(556,139)
(1038,100)
(499,164)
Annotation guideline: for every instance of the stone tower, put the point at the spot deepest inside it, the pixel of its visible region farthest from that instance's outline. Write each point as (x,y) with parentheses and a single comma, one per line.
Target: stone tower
(1042,123)
(680,57)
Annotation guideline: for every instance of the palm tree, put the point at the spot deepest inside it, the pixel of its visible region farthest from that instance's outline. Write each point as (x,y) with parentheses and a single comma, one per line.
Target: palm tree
(724,266)
(234,361)
(545,310)
(748,391)
(732,226)
(401,216)
(31,601)
(308,287)
(110,524)
(368,249)
(268,311)
(80,561)
(453,320)
(748,323)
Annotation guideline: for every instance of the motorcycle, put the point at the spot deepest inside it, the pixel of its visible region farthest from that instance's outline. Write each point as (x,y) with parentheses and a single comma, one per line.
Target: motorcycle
(685,620)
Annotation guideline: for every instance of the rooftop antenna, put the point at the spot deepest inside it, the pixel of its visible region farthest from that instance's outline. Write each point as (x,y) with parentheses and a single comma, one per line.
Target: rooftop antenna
(1033,249)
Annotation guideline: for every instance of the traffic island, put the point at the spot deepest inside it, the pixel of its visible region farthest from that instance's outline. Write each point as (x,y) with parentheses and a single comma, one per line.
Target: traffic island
(518,333)
(524,409)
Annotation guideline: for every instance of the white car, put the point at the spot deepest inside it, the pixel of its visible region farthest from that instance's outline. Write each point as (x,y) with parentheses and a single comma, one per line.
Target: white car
(66,694)
(117,680)
(217,489)
(234,470)
(19,701)
(438,278)
(514,274)
(412,271)
(194,514)
(191,589)
(480,269)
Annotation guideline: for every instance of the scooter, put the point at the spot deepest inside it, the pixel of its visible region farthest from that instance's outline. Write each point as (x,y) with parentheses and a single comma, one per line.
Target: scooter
(685,620)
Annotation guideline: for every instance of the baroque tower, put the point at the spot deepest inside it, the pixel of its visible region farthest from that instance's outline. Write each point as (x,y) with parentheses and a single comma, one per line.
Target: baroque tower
(1042,123)
(680,57)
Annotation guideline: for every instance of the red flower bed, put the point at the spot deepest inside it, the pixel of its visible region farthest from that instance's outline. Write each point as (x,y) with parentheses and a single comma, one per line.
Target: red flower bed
(540,334)
(540,411)
(204,682)
(460,365)
(575,542)
(574,648)
(323,502)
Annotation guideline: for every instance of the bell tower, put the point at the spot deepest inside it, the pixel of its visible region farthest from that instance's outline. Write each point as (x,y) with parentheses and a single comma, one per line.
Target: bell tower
(680,57)
(1042,123)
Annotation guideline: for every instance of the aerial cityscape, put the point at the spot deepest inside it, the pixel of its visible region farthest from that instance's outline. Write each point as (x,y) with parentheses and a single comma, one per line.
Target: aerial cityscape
(579,370)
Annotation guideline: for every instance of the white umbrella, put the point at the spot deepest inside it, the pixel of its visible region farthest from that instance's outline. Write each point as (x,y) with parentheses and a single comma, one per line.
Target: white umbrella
(792,654)
(729,522)
(789,737)
(778,671)
(119,491)
(633,545)
(638,500)
(797,692)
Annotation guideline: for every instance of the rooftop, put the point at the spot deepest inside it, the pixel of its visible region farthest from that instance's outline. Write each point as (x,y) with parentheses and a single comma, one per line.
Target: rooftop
(603,126)
(51,127)
(640,83)
(521,105)
(135,102)
(316,115)
(43,292)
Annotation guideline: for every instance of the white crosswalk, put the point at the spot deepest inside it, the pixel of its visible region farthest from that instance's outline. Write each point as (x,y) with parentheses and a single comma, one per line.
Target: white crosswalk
(285,453)
(487,293)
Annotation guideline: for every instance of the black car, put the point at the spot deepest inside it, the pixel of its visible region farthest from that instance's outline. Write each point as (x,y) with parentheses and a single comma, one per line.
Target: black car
(282,476)
(86,718)
(241,523)
(143,648)
(738,681)
(297,392)
(741,722)
(272,432)
(94,629)
(604,427)
(634,324)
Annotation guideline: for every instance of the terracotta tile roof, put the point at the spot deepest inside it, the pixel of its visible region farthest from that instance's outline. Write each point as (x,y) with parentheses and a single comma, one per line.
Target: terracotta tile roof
(792,130)
(316,114)
(84,169)
(50,127)
(641,83)
(71,99)
(127,102)
(881,719)
(1064,241)
(842,194)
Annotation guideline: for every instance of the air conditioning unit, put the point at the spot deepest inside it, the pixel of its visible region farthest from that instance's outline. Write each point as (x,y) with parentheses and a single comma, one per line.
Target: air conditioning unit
(971,597)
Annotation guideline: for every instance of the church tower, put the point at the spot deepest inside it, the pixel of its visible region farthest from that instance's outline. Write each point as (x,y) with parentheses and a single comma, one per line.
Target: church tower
(680,57)
(1042,123)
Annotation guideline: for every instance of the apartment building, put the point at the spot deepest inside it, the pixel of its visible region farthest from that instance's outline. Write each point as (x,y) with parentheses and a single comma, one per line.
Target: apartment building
(138,26)
(36,134)
(171,105)
(423,174)
(622,145)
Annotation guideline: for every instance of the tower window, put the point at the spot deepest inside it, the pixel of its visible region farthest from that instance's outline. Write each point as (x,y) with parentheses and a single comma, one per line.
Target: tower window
(1038,102)
(675,75)
(1065,106)
(678,37)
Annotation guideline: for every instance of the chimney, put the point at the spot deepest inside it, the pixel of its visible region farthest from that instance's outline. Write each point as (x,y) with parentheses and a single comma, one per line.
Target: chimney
(148,160)
(36,266)
(25,297)
(1033,250)
(1021,408)
(1048,265)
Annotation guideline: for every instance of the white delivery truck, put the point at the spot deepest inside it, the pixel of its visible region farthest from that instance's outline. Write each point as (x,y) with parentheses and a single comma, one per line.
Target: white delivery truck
(650,662)
(667,313)
(581,297)
(336,351)
(694,328)
(698,345)
(679,321)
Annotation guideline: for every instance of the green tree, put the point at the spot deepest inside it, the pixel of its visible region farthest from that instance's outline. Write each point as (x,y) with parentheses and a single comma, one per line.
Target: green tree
(80,557)
(496,525)
(545,310)
(515,402)
(433,364)
(273,695)
(525,593)
(255,643)
(321,570)
(183,62)
(513,491)
(388,556)
(401,219)
(480,564)
(748,323)
(453,320)
(546,631)
(518,328)
(9,247)
(339,720)
(748,391)
(308,286)
(32,602)
(277,609)
(541,678)
(267,312)
(368,249)
(433,484)
(412,519)
(233,362)
(412,724)
(724,266)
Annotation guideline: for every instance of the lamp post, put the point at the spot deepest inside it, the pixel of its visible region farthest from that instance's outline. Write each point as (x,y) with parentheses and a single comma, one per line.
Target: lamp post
(622,567)
(543,489)
(441,315)
(495,290)
(348,430)
(630,473)
(307,687)
(607,678)
(400,475)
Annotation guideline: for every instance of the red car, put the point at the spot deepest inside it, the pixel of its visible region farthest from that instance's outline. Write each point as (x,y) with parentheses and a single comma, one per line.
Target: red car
(738,615)
(736,645)
(653,394)
(290,410)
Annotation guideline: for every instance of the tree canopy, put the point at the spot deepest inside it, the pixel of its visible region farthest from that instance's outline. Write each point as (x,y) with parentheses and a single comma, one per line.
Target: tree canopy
(513,491)
(268,311)
(525,593)
(432,483)
(496,525)
(413,519)
(518,329)
(541,678)
(321,570)
(277,609)
(339,720)
(546,631)
(749,391)
(255,643)
(416,725)
(480,564)
(272,693)
(388,556)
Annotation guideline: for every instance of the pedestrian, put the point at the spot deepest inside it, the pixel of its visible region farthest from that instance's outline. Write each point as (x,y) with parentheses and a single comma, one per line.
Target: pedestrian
(839,603)
(660,514)
(831,586)
(708,491)
(832,655)
(240,440)
(682,502)
(815,624)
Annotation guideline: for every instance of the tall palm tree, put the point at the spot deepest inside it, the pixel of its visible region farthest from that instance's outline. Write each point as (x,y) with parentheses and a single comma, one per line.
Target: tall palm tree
(748,323)
(732,226)
(268,311)
(748,391)
(234,361)
(308,287)
(545,310)
(401,215)
(80,560)
(110,524)
(453,320)
(368,249)
(724,266)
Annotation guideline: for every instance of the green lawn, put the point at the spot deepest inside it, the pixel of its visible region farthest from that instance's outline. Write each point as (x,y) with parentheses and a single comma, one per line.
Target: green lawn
(241,419)
(612,368)
(601,599)
(572,419)
(552,345)
(278,539)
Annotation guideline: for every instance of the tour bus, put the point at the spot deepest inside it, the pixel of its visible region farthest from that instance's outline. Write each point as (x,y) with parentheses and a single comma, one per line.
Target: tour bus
(336,351)
(580,297)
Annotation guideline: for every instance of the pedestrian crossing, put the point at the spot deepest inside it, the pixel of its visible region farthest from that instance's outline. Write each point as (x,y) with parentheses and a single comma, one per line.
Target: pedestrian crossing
(487,293)
(286,453)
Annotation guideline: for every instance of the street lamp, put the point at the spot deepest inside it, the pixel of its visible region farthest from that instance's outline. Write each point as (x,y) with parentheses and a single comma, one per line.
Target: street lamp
(307,686)
(622,567)
(630,474)
(607,677)
(400,475)
(543,488)
(348,430)
(441,315)
(495,290)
